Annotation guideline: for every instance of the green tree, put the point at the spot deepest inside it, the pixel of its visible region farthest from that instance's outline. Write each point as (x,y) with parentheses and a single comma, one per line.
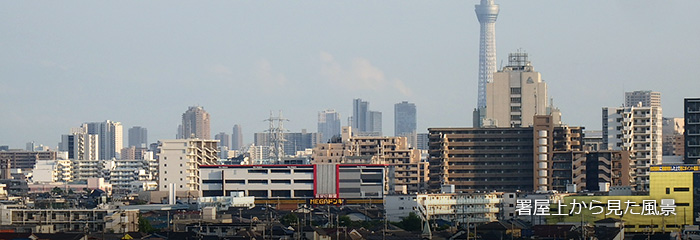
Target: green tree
(56,191)
(289,219)
(145,226)
(410,223)
(345,221)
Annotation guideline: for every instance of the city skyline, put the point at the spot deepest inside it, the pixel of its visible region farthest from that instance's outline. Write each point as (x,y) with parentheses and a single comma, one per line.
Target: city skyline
(59,60)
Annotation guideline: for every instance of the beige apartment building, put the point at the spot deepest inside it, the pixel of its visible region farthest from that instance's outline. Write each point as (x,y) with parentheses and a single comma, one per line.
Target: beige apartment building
(409,171)
(516,94)
(179,161)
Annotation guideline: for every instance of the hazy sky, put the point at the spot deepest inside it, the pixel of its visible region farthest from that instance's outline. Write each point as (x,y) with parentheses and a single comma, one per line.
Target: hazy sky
(142,63)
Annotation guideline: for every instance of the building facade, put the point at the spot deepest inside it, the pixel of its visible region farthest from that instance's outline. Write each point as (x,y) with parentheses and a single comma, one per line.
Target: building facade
(328,125)
(195,124)
(297,181)
(179,161)
(516,94)
(409,170)
(645,98)
(110,136)
(138,137)
(692,131)
(237,137)
(637,130)
(224,140)
(481,159)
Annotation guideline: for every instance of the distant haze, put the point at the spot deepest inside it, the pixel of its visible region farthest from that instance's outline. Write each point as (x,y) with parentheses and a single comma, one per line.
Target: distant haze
(143,63)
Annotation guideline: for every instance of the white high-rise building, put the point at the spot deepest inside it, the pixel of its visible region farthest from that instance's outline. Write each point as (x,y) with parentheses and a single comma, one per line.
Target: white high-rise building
(639,131)
(80,145)
(110,135)
(179,160)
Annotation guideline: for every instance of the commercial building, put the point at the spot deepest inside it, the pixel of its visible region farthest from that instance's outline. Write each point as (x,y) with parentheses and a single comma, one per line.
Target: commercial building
(692,131)
(138,137)
(195,124)
(297,181)
(637,130)
(364,121)
(404,118)
(328,125)
(179,161)
(237,137)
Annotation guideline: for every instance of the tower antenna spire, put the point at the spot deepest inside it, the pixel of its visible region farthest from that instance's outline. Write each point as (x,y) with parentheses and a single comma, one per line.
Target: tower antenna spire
(486,12)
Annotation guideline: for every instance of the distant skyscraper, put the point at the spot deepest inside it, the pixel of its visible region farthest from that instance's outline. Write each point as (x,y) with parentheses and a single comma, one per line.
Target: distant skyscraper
(486,12)
(646,98)
(138,137)
(374,123)
(364,121)
(223,139)
(360,110)
(195,123)
(237,138)
(404,118)
(111,138)
(328,124)
(516,94)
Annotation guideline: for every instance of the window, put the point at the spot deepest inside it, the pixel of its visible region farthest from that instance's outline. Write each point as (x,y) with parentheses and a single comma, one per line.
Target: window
(514,90)
(235,181)
(679,189)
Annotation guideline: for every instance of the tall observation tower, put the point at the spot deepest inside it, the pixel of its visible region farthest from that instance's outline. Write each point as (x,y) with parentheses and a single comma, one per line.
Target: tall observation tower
(486,12)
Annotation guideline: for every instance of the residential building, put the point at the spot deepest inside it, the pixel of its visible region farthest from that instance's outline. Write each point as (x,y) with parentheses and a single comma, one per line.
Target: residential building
(645,98)
(481,159)
(462,208)
(672,128)
(132,175)
(692,131)
(80,145)
(196,123)
(138,137)
(110,137)
(179,161)
(237,138)
(516,94)
(25,160)
(71,220)
(409,171)
(638,131)
(328,125)
(134,152)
